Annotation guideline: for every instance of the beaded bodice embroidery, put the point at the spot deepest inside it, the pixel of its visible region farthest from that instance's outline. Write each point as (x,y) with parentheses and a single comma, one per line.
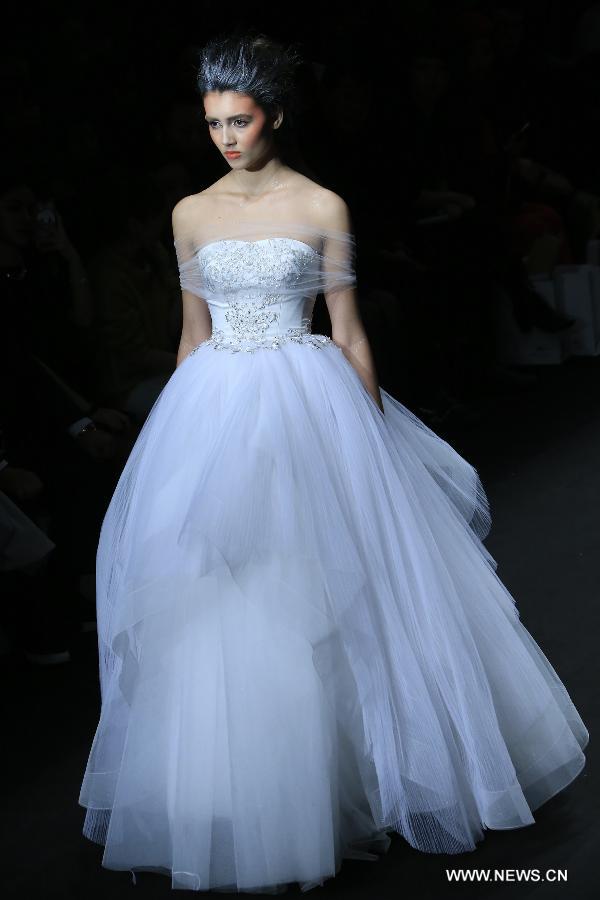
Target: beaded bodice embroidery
(264,303)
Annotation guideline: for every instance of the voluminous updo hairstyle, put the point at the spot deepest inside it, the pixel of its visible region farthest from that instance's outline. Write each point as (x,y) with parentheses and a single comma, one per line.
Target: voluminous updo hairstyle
(254,64)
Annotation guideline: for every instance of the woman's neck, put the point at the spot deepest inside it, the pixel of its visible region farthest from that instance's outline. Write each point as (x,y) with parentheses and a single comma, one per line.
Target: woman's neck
(256,182)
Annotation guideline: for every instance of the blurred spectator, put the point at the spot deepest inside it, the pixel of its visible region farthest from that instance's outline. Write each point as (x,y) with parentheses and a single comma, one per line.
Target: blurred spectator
(586,33)
(60,454)
(58,312)
(137,292)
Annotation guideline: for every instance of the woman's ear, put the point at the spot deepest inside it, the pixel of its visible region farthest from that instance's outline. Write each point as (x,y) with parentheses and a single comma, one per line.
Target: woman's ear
(278,119)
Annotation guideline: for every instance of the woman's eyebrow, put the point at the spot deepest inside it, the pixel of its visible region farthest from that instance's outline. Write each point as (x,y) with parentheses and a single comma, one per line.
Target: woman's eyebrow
(229,118)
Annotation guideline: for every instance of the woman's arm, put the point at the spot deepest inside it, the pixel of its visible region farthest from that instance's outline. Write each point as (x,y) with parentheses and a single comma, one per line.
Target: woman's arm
(197,326)
(347,328)
(81,311)
(197,323)
(54,237)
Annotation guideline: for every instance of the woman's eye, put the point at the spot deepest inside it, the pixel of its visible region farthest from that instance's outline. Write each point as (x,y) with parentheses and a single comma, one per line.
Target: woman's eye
(241,122)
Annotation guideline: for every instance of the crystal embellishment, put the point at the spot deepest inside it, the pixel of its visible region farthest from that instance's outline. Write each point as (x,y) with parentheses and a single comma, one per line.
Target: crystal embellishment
(219,340)
(249,320)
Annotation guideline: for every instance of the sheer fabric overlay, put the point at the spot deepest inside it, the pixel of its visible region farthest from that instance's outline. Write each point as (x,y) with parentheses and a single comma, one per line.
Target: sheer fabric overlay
(303,641)
(331,268)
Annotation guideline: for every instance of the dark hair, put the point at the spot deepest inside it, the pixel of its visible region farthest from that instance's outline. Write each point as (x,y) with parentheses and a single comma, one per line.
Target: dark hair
(253,64)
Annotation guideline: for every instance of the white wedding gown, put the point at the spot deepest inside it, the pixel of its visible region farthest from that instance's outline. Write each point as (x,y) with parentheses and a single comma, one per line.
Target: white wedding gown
(304,644)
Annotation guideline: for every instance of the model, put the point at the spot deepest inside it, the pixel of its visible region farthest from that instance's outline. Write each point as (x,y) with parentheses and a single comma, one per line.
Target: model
(304,644)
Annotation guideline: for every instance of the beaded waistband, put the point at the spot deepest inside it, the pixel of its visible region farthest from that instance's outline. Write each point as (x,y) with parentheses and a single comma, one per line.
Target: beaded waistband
(221,340)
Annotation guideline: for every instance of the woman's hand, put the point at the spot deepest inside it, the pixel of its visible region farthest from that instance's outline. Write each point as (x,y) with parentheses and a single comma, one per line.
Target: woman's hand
(398,253)
(453,203)
(98,444)
(53,238)
(111,419)
(539,176)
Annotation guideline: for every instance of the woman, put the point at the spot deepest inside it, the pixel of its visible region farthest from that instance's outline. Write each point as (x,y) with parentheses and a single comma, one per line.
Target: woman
(303,641)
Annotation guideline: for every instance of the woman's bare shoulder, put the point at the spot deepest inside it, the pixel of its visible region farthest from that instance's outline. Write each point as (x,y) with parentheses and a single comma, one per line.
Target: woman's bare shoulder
(322,206)
(193,204)
(328,209)
(316,203)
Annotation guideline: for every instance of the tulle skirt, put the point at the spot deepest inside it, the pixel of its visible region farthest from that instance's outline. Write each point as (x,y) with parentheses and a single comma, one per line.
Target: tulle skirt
(304,644)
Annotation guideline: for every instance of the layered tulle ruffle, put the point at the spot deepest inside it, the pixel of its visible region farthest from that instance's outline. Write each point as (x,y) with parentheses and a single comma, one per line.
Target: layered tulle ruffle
(304,642)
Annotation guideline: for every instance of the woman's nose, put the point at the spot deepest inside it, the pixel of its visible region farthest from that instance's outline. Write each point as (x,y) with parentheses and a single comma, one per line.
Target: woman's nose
(226,139)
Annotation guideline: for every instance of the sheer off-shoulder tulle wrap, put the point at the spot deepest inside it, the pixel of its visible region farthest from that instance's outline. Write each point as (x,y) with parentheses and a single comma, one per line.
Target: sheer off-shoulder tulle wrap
(330,268)
(303,640)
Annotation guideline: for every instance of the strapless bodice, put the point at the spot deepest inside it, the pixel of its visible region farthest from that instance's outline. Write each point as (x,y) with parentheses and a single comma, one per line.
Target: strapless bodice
(258,292)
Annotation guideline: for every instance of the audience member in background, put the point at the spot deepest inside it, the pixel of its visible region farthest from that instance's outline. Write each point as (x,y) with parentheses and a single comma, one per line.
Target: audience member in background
(59,307)
(61,453)
(463,232)
(494,107)
(345,102)
(25,551)
(136,291)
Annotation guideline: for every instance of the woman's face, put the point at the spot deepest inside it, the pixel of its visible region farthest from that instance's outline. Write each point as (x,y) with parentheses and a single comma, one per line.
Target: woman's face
(236,123)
